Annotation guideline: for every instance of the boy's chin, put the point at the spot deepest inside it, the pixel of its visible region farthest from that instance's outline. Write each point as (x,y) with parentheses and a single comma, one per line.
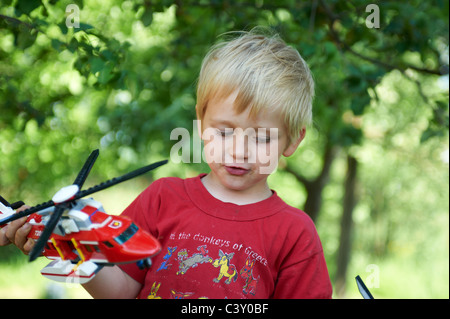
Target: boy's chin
(242,182)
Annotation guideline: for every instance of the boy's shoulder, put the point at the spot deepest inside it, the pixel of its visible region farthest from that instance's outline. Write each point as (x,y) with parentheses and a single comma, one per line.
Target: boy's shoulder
(169,185)
(165,184)
(295,216)
(171,181)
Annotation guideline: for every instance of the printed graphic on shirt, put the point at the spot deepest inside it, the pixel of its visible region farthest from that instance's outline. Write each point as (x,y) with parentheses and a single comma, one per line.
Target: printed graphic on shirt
(185,262)
(180,295)
(164,264)
(222,267)
(226,269)
(155,288)
(247,273)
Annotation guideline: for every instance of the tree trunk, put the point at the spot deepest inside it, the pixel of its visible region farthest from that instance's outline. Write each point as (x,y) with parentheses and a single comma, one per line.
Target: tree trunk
(315,187)
(345,241)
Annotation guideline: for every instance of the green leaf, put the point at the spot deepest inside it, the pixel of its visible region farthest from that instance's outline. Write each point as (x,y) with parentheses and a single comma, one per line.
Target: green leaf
(27,6)
(83,27)
(147,16)
(97,64)
(25,37)
(430,133)
(57,45)
(359,103)
(106,73)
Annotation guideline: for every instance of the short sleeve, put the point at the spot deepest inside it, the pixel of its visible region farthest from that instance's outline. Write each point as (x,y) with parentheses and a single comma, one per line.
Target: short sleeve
(303,273)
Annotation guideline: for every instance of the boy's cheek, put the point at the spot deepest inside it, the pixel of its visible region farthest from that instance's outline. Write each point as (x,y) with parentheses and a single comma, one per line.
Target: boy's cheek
(213,152)
(268,160)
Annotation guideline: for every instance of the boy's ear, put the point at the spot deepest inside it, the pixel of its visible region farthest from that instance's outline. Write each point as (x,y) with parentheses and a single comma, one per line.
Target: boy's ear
(294,144)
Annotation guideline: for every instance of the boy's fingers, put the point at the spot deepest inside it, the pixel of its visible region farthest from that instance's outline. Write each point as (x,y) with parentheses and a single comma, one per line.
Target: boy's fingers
(21,235)
(28,246)
(3,239)
(22,208)
(13,227)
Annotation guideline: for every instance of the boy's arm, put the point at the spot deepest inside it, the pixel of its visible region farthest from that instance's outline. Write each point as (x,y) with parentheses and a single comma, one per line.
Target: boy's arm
(307,279)
(303,273)
(112,283)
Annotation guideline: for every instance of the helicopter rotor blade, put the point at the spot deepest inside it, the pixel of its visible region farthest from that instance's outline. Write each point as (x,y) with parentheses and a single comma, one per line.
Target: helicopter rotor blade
(47,232)
(27,212)
(84,193)
(117,180)
(83,174)
(60,208)
(79,181)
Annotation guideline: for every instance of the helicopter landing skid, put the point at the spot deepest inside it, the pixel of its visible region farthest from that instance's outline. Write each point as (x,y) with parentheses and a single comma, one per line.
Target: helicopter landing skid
(64,271)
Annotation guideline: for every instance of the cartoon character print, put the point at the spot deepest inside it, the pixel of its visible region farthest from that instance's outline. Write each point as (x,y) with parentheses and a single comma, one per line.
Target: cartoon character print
(247,273)
(164,264)
(226,269)
(180,295)
(185,262)
(224,263)
(153,291)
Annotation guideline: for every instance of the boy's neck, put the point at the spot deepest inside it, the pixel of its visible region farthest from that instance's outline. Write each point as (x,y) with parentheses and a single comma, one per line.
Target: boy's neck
(252,195)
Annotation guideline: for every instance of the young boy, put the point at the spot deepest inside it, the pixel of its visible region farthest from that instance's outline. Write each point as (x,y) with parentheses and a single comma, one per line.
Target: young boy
(226,234)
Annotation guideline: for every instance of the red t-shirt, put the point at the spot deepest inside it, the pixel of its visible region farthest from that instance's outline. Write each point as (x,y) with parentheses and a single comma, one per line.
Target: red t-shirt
(212,249)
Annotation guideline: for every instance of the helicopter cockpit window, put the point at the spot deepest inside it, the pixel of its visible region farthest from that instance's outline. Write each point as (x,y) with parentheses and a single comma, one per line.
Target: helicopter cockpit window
(127,234)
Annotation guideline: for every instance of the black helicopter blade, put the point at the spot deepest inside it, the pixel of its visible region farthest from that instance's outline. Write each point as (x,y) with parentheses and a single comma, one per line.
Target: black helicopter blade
(86,192)
(27,212)
(363,289)
(4,201)
(118,180)
(48,230)
(83,174)
(13,205)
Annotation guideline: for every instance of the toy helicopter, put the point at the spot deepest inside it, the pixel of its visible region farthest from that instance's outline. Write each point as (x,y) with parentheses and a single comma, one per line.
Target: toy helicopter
(78,235)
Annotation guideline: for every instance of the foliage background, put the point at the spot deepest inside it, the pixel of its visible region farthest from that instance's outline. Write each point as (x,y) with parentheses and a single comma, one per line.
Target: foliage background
(372,172)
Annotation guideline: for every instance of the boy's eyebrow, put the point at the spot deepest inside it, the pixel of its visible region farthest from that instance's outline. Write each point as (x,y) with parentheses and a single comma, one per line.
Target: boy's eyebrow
(223,122)
(229,124)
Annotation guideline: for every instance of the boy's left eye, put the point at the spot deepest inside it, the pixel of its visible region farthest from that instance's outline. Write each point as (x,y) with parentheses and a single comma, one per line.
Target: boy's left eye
(226,132)
(263,139)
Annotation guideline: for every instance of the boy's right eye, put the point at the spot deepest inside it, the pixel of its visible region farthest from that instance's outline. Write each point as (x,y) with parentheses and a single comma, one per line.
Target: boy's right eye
(225,132)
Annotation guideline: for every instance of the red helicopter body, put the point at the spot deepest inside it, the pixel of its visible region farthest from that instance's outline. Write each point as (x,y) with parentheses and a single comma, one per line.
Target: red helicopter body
(78,235)
(86,239)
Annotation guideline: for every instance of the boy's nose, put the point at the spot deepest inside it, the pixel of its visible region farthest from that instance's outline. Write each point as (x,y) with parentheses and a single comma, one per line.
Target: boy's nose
(239,149)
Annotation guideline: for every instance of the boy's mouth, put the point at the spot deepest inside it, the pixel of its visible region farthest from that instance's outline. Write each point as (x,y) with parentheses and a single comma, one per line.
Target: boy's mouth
(236,170)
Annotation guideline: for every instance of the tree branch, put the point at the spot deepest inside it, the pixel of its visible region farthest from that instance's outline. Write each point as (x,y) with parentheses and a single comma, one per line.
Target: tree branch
(345,47)
(19,22)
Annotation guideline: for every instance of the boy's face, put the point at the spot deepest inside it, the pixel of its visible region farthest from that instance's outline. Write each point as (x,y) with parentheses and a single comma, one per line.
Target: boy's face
(242,151)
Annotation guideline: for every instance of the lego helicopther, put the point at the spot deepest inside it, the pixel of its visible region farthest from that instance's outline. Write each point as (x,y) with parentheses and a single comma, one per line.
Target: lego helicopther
(78,235)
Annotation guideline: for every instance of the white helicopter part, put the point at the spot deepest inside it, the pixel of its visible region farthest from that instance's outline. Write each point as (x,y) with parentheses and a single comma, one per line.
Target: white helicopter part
(64,271)
(65,193)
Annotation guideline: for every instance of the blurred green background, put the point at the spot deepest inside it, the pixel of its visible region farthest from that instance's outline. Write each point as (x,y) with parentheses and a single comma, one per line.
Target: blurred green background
(373,172)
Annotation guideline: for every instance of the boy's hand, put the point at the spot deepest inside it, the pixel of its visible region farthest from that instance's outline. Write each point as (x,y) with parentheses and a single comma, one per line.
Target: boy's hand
(16,233)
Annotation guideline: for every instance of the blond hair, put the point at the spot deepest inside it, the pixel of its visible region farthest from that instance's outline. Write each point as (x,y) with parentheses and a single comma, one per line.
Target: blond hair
(267,73)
